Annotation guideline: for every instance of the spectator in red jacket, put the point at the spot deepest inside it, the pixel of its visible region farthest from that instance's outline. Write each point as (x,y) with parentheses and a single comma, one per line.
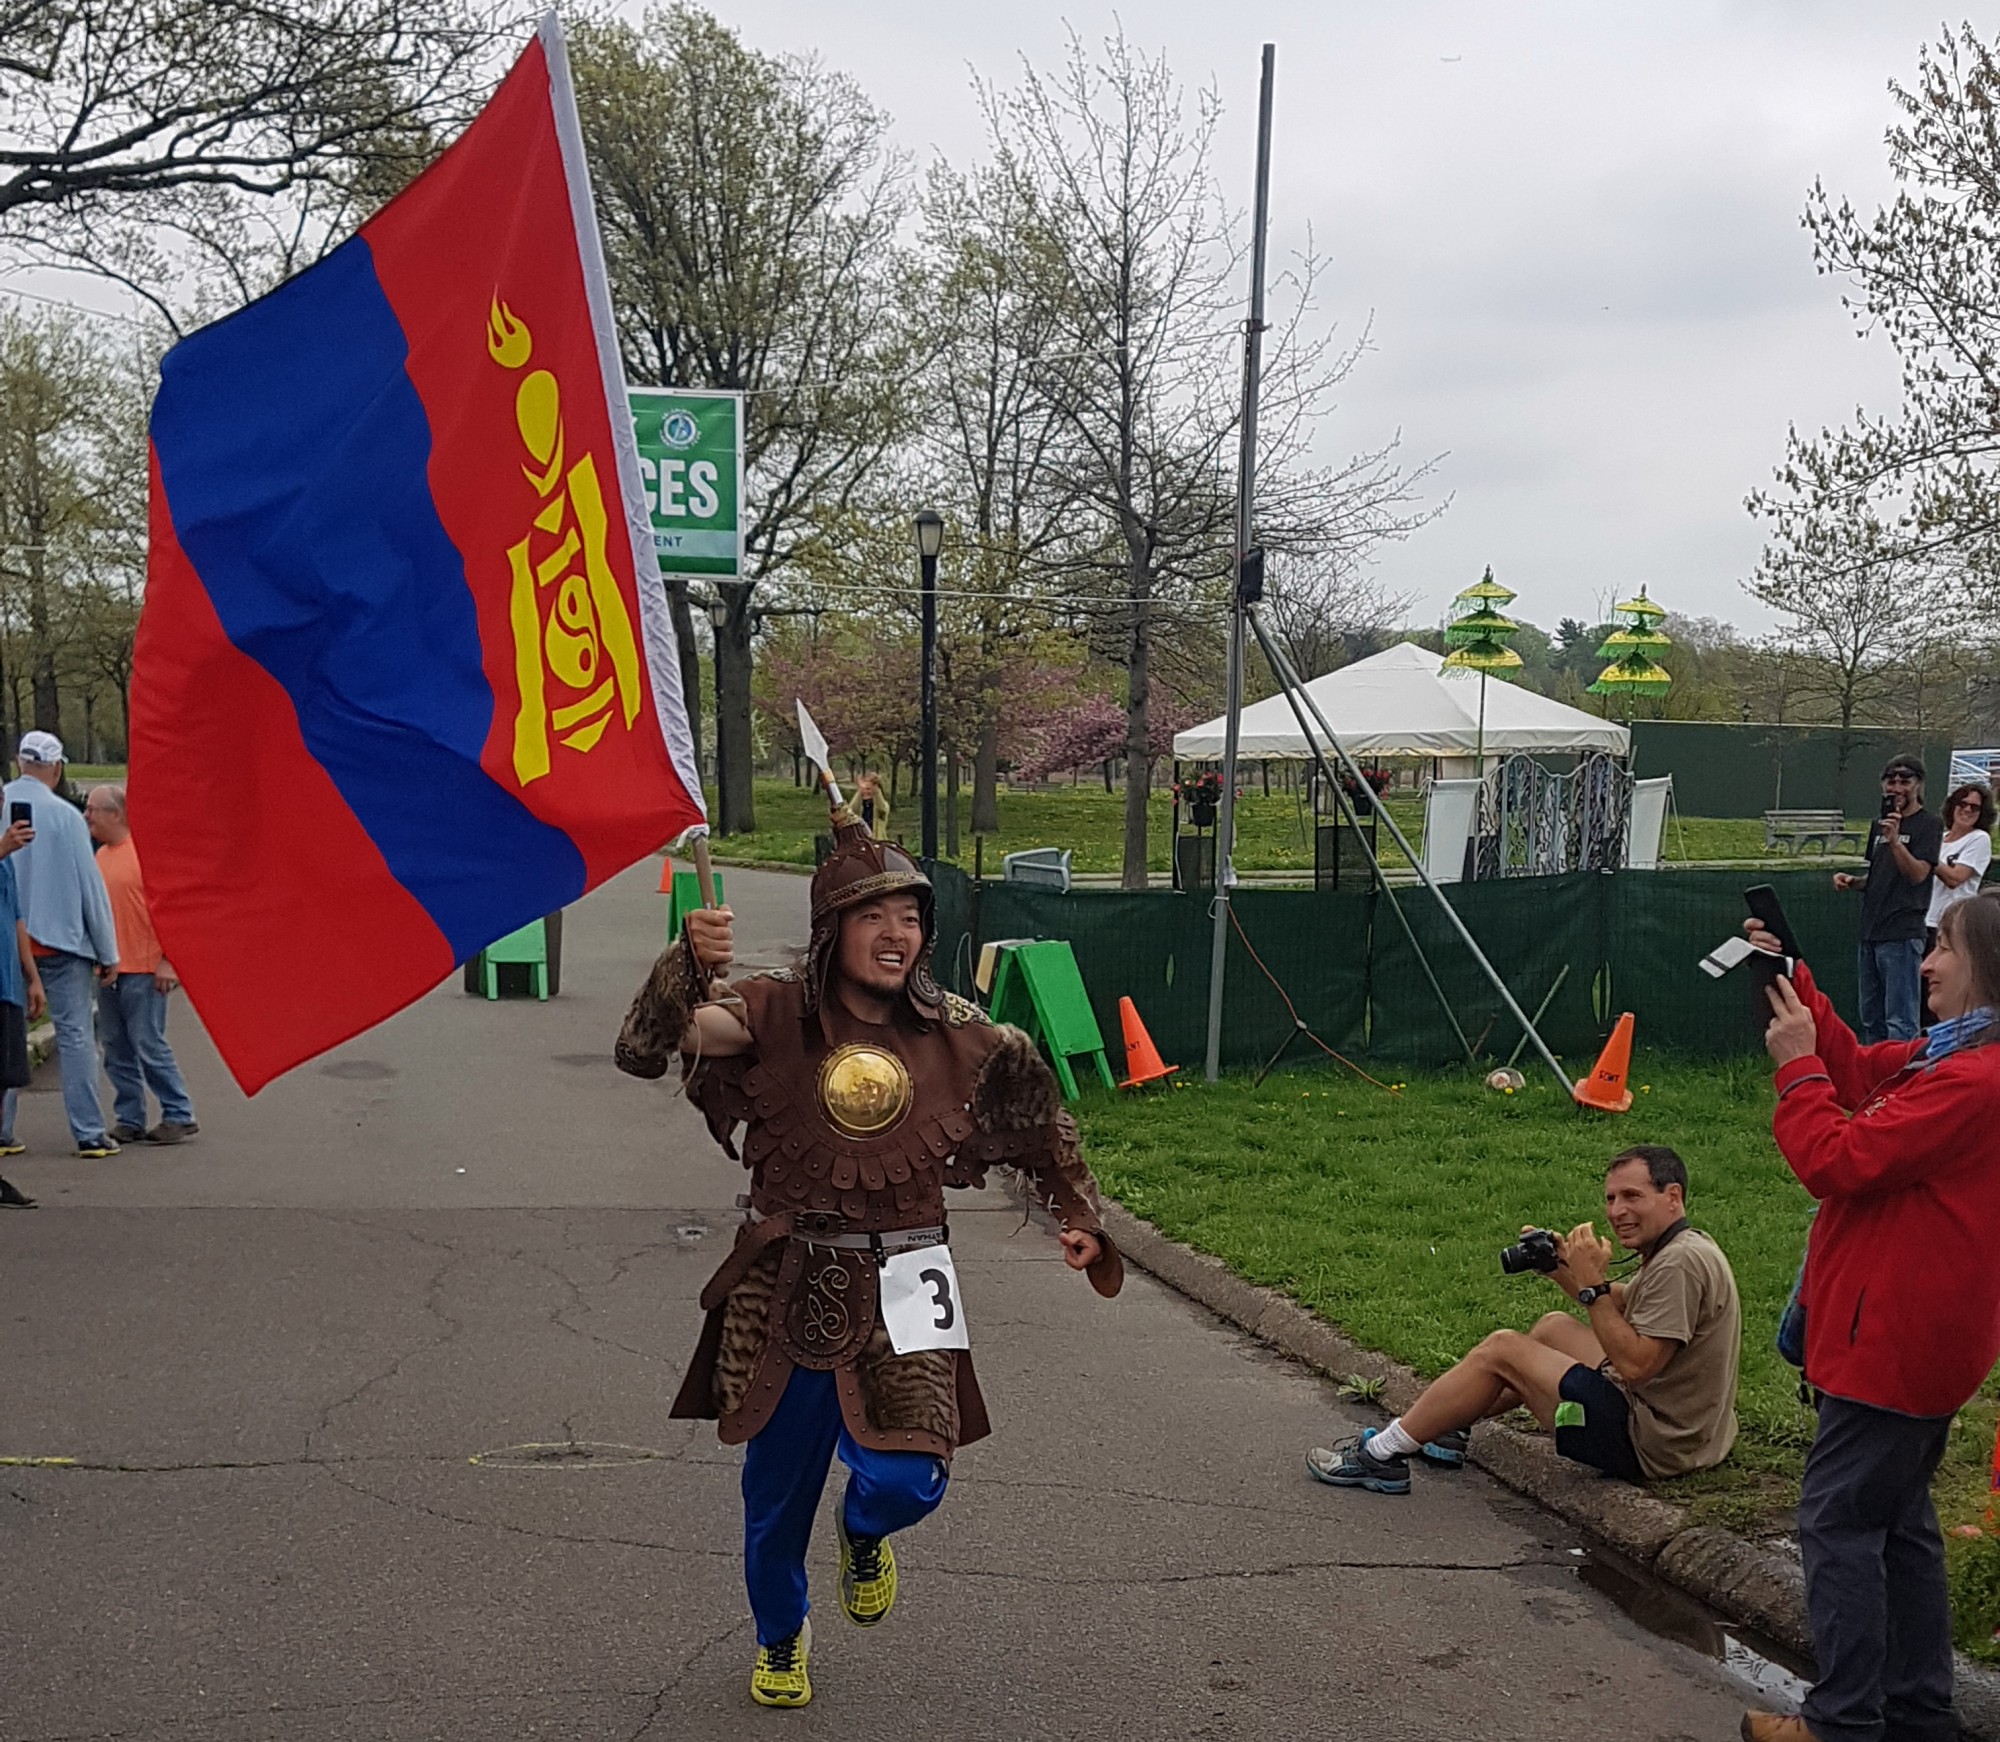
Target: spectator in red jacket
(1902,1301)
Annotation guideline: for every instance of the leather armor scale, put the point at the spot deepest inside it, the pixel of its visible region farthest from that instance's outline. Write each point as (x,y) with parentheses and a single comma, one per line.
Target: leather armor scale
(780,1300)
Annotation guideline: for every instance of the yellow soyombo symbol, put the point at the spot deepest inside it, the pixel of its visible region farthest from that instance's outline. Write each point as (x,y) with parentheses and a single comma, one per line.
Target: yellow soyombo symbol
(569,620)
(864,1089)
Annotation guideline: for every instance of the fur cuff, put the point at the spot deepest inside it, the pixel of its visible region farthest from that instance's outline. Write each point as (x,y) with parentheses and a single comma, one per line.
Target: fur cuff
(650,1040)
(1015,1089)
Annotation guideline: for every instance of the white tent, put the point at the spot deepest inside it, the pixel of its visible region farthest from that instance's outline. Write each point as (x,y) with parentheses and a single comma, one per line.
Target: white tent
(1404,702)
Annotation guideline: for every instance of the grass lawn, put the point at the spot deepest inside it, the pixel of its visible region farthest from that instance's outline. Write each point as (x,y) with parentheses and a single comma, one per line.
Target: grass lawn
(1274,833)
(1386,1213)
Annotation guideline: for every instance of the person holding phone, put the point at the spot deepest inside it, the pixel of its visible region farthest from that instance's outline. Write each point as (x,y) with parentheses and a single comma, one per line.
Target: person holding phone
(1895,896)
(69,922)
(22,1001)
(1902,1318)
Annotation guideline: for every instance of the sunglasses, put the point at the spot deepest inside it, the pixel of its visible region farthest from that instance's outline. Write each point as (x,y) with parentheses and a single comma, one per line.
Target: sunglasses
(1899,780)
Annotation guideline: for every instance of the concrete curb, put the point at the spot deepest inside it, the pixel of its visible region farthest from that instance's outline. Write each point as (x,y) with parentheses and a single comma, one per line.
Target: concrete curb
(1741,1580)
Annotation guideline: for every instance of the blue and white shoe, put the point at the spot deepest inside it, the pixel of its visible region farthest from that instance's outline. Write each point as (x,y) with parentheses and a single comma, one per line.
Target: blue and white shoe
(1448,1451)
(1350,1464)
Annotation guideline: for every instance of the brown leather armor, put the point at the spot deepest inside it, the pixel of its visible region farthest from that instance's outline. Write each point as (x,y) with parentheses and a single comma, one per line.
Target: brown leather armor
(852,1129)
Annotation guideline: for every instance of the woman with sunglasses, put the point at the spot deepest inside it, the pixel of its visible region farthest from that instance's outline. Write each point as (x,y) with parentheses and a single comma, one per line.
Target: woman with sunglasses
(1968,850)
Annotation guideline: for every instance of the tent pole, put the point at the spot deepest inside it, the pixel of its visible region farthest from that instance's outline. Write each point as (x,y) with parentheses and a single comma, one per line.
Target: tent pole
(1374,863)
(1245,589)
(1289,679)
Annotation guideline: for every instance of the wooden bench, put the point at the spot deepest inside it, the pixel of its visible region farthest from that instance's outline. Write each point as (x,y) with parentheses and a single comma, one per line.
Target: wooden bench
(1800,828)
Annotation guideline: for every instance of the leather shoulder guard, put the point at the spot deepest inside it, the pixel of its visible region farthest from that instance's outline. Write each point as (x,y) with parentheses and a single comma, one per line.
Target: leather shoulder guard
(960,1012)
(650,1040)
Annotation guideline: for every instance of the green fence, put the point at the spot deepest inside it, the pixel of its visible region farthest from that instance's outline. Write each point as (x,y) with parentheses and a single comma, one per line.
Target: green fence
(1743,771)
(1630,941)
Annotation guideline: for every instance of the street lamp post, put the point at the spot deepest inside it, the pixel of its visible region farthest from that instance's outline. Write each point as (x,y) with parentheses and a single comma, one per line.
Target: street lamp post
(930,540)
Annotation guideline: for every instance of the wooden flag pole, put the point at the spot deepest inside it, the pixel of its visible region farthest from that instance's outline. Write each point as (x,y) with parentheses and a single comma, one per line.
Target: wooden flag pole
(704,871)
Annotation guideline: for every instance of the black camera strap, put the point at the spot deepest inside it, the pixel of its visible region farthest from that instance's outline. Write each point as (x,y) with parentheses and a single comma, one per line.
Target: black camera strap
(1665,1240)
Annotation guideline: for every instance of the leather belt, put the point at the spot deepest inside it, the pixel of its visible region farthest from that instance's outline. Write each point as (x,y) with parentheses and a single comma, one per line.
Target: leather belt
(824,1229)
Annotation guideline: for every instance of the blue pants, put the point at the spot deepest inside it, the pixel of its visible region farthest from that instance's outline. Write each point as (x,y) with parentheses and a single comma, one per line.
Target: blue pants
(1891,990)
(784,1471)
(132,1018)
(68,980)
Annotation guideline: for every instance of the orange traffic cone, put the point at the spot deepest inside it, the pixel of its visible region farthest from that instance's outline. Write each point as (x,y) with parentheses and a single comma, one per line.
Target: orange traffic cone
(1605,1087)
(1142,1057)
(667,876)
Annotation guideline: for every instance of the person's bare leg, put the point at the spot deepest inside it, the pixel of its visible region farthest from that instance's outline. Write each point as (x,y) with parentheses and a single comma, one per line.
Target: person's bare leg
(1505,1362)
(1565,1331)
(1562,1331)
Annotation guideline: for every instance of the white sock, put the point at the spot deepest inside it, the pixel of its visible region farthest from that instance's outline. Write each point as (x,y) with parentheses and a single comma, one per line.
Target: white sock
(1393,1442)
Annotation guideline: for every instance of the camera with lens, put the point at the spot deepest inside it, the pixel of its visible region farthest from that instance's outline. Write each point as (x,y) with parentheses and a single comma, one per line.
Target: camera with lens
(1535,1250)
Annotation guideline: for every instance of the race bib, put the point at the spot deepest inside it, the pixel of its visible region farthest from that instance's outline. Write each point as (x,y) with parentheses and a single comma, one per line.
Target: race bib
(919,1304)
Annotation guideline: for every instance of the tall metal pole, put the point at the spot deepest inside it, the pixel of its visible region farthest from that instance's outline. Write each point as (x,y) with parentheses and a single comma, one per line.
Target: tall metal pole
(929,564)
(1249,566)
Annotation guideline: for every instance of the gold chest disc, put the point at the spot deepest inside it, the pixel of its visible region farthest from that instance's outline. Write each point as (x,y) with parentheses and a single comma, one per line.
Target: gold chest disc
(864,1090)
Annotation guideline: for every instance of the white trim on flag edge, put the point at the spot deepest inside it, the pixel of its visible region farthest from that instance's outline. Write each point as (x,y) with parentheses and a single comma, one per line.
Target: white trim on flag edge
(655,618)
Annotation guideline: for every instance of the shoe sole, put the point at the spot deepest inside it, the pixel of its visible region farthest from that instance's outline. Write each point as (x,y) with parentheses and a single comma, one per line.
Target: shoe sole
(1374,1484)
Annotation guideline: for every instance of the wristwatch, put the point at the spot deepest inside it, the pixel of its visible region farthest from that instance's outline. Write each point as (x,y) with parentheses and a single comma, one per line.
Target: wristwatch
(1597,1292)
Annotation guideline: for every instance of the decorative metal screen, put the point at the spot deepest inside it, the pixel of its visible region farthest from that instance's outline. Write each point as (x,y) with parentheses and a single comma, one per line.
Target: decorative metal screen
(1535,822)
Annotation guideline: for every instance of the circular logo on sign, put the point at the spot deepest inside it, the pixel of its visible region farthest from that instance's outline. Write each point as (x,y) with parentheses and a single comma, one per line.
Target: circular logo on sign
(678,429)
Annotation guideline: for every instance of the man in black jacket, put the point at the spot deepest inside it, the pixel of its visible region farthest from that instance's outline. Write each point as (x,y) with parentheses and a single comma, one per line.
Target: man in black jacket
(1895,896)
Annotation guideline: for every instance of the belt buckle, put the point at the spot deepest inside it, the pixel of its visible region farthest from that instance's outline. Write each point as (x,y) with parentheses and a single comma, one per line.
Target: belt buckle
(808,1223)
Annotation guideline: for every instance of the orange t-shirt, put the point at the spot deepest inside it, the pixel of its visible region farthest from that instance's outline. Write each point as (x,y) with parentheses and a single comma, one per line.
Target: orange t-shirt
(138,944)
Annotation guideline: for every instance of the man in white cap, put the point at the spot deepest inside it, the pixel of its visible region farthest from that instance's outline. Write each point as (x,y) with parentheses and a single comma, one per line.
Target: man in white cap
(69,921)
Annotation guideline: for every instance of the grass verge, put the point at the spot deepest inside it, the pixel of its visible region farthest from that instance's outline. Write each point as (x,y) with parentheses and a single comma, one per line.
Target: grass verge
(1274,833)
(1385,1214)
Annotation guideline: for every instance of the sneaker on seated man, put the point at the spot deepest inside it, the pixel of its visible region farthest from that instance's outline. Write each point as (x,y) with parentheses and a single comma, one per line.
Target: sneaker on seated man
(1644,1388)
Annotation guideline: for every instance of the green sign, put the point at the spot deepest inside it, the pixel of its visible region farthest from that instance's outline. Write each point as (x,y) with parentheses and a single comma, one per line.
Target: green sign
(691,461)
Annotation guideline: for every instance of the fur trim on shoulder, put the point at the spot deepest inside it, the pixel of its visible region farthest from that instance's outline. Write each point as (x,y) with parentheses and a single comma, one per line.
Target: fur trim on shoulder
(1015,1089)
(651,1038)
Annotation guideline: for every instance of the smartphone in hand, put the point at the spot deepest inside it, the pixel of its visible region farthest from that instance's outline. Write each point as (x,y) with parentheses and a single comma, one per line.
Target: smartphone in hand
(1765,968)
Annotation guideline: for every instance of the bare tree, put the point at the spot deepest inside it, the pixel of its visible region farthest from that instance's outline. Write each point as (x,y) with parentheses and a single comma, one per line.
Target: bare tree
(1327,613)
(1135,252)
(750,208)
(1857,600)
(160,141)
(987,446)
(1925,272)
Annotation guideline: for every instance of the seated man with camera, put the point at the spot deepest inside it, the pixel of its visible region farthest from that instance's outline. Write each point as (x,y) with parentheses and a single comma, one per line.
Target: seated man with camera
(1645,1389)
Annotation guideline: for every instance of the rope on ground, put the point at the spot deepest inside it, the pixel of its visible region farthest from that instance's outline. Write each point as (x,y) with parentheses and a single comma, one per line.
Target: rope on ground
(1278,987)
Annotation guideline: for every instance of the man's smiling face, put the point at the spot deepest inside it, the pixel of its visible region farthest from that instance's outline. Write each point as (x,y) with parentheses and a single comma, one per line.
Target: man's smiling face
(880,942)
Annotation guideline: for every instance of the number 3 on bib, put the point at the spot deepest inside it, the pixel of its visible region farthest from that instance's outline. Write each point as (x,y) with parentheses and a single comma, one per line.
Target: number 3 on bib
(920,1303)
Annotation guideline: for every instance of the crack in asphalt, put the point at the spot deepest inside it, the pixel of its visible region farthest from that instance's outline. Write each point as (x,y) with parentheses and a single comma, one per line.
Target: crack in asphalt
(672,1684)
(946,1569)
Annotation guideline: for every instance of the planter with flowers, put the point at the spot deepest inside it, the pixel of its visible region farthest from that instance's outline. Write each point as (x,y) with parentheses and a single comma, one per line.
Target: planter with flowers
(1202,794)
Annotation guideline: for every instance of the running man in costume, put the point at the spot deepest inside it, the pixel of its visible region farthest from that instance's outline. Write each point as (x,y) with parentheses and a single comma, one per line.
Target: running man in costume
(862,1091)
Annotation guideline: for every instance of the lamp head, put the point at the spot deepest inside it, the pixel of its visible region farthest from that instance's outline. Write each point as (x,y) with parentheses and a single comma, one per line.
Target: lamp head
(930,533)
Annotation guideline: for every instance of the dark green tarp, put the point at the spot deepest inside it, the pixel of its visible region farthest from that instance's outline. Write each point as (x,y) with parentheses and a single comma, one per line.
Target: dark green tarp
(1630,940)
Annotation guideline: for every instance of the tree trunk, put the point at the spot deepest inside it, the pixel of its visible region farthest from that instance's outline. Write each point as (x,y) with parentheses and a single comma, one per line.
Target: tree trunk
(689,653)
(1138,734)
(950,751)
(736,803)
(986,762)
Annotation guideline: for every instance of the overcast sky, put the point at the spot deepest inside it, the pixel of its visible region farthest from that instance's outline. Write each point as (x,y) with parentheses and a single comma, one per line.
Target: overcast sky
(1575,226)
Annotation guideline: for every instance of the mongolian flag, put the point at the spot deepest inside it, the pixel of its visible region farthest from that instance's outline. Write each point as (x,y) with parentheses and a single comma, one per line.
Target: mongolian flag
(405,675)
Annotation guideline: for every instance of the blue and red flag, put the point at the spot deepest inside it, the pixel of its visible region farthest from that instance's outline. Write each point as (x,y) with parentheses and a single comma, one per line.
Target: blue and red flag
(405,676)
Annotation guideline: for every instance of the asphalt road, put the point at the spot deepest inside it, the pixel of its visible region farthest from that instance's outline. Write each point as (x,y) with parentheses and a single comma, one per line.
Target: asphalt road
(290,1360)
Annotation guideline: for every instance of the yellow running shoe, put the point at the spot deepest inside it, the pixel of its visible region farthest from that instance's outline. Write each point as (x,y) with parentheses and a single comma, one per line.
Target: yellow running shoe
(778,1678)
(867,1577)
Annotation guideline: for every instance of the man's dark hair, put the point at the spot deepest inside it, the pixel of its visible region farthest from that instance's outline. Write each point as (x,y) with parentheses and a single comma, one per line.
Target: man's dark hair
(1905,764)
(1663,1167)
